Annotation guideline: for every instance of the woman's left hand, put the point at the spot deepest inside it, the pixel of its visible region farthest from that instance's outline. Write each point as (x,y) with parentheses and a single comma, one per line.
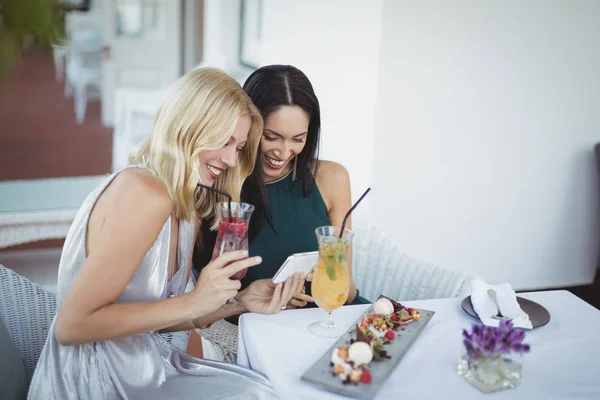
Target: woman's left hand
(299,300)
(265,297)
(309,276)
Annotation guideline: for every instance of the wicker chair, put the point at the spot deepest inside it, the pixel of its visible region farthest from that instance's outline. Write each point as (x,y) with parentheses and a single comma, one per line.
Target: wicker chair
(379,267)
(27,311)
(219,341)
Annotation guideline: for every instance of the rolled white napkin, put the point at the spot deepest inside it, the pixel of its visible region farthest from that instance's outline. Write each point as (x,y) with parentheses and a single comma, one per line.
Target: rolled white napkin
(507,300)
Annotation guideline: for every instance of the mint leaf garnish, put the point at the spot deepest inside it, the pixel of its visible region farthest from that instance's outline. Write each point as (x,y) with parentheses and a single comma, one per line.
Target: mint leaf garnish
(330,269)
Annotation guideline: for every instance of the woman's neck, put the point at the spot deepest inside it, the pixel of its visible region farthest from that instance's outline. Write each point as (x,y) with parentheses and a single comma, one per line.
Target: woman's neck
(286,172)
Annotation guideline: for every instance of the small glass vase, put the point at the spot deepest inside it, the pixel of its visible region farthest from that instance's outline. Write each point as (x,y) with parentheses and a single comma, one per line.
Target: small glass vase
(492,373)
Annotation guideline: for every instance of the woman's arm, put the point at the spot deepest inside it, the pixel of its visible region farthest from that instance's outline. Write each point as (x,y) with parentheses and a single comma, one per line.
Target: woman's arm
(333,181)
(123,225)
(207,320)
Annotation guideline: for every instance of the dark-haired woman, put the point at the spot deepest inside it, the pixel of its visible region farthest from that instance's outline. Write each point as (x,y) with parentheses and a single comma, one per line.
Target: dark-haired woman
(293,192)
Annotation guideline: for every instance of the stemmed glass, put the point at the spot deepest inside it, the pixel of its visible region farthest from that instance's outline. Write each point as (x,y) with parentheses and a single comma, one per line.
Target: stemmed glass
(234,219)
(331,280)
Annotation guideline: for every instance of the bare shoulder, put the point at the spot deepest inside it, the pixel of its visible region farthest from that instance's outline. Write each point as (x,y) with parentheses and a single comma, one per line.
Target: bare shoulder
(333,182)
(137,190)
(331,173)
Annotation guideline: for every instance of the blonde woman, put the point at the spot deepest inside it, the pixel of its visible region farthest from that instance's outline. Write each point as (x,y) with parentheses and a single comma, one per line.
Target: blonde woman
(126,260)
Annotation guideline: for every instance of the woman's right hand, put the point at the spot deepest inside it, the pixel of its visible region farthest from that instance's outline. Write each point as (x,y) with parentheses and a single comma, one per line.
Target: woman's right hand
(214,287)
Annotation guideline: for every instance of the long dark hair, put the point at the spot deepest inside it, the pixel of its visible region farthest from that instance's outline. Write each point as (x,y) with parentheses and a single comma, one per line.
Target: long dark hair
(270,88)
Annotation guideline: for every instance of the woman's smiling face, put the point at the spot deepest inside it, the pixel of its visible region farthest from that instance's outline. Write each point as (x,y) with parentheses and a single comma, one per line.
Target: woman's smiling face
(284,137)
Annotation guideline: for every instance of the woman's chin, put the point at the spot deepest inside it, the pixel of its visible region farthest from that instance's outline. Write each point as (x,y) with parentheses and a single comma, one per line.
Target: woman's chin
(207,181)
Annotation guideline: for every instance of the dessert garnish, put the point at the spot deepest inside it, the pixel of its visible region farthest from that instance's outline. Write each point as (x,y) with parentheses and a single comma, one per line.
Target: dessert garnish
(360,353)
(383,306)
(350,363)
(372,334)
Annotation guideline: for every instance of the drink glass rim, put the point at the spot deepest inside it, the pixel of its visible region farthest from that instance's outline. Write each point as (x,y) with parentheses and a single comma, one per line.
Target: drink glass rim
(347,231)
(225,205)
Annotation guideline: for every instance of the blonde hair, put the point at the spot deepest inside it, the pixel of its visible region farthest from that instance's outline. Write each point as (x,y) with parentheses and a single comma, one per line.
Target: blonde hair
(200,113)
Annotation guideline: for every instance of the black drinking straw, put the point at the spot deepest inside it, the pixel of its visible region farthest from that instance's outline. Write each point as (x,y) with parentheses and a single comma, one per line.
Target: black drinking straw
(222,193)
(350,211)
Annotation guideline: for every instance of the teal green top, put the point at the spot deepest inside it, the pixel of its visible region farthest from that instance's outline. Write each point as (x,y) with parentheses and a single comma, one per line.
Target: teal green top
(294,218)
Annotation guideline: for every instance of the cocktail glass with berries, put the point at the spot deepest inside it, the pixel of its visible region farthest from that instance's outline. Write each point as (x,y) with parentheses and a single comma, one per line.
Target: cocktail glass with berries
(234,219)
(331,280)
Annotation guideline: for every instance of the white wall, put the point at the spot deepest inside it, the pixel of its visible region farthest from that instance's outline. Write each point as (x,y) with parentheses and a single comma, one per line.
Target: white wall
(474,122)
(336,43)
(487,117)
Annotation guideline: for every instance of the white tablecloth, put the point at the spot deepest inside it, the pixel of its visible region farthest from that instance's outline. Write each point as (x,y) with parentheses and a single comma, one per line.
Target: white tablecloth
(564,362)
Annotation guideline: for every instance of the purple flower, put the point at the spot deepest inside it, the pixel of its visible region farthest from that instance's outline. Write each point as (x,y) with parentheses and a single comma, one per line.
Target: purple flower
(486,341)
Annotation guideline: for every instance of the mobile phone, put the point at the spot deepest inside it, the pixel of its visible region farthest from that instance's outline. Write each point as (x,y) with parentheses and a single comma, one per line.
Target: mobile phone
(299,262)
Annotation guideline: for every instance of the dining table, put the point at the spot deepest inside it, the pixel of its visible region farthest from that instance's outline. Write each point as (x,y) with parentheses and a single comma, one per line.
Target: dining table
(563,363)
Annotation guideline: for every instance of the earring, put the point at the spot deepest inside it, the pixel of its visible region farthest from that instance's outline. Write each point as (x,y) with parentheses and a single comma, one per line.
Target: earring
(295,168)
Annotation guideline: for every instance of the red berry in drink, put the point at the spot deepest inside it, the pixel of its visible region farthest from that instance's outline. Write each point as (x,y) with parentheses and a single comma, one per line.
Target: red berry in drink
(390,335)
(222,228)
